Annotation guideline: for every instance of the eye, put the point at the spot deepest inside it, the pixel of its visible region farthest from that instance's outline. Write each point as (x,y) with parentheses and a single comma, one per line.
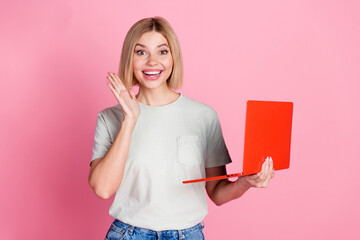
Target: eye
(140,52)
(164,51)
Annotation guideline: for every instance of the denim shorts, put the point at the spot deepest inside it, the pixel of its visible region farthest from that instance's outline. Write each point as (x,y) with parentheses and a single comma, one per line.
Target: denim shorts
(122,231)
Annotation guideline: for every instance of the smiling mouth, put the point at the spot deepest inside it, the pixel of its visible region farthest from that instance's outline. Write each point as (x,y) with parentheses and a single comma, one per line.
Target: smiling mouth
(152,74)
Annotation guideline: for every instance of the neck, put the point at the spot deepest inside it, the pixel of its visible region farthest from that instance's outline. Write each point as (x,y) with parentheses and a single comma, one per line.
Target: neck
(156,97)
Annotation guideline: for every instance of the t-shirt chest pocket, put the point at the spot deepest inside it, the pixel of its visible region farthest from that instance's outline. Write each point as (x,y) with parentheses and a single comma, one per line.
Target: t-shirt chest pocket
(190,150)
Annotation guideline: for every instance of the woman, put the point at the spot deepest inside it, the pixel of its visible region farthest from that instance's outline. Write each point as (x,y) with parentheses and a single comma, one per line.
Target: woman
(149,143)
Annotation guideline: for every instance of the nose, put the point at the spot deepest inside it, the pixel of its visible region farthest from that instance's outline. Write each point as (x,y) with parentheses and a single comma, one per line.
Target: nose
(151,60)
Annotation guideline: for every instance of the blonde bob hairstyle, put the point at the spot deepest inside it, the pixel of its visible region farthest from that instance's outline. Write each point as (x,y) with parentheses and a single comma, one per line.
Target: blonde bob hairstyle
(158,24)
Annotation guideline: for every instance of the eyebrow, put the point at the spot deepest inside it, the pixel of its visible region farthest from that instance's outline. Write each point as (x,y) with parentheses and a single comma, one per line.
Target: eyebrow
(141,45)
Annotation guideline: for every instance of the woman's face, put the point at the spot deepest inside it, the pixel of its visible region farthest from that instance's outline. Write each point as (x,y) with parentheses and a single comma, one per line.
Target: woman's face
(152,60)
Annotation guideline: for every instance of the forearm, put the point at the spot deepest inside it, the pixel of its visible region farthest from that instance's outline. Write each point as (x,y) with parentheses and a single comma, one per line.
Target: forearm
(226,190)
(107,175)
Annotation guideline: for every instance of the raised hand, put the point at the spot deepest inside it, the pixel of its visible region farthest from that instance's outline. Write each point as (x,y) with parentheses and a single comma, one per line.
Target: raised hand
(125,97)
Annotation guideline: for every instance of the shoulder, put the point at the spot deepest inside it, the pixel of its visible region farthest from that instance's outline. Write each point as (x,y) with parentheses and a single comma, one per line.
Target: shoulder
(111,114)
(199,107)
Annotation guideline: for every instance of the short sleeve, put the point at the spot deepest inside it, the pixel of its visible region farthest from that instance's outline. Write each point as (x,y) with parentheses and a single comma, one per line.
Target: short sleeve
(217,153)
(102,141)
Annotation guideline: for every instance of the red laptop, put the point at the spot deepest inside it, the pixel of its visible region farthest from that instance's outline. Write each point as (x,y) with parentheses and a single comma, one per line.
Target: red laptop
(267,133)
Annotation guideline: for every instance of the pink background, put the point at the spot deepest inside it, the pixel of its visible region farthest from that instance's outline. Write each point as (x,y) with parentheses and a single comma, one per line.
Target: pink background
(55,56)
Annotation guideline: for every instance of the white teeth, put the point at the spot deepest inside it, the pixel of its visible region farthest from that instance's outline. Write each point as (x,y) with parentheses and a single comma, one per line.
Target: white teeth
(152,72)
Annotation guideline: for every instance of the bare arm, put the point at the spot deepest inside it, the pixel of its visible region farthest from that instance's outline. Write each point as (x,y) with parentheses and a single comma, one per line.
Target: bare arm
(106,173)
(223,191)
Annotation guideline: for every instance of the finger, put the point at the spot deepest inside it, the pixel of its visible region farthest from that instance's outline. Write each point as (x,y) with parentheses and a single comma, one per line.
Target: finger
(117,95)
(114,84)
(113,90)
(266,170)
(271,167)
(265,174)
(114,81)
(268,174)
(122,104)
(267,180)
(263,168)
(125,92)
(117,78)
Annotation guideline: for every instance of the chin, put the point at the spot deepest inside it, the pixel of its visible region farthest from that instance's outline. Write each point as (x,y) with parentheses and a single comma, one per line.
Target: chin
(154,86)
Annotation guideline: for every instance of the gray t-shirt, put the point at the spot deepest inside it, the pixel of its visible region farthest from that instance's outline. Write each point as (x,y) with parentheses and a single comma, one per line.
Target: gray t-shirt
(169,144)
